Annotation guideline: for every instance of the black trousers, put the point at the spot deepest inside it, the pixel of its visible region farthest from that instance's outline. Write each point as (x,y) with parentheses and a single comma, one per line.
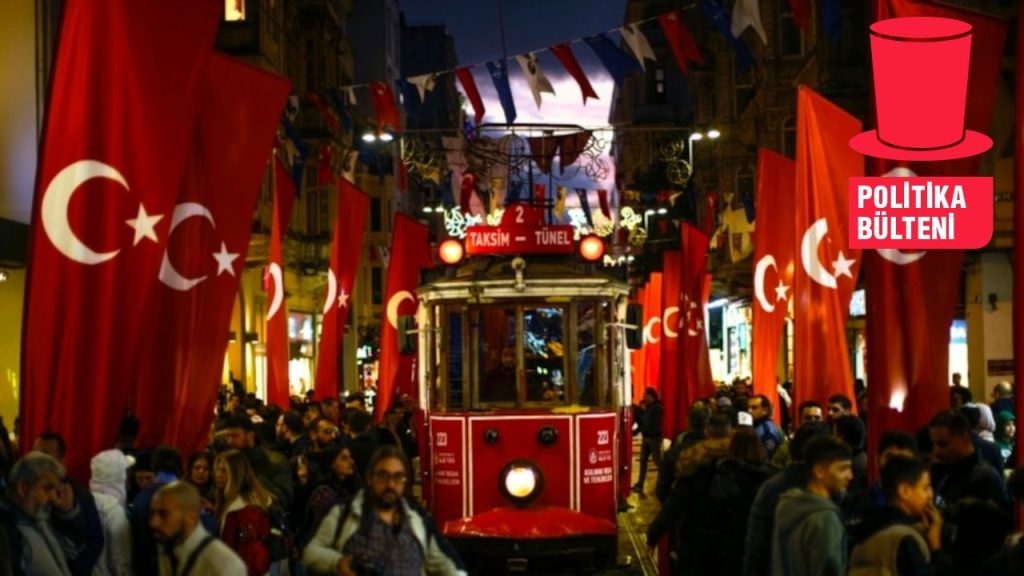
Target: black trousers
(649,447)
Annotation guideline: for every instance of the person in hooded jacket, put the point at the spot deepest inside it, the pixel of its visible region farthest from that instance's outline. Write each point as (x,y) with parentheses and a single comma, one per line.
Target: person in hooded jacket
(738,477)
(108,484)
(686,511)
(809,537)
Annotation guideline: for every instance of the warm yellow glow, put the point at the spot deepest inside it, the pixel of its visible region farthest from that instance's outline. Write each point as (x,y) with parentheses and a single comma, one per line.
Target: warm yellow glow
(520,482)
(592,248)
(234,10)
(450,251)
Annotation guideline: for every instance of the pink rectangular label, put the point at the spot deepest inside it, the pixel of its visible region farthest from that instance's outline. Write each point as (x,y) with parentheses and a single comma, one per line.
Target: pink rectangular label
(920,212)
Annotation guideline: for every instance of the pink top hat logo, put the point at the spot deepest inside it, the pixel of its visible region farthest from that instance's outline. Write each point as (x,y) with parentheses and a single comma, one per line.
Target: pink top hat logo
(921,68)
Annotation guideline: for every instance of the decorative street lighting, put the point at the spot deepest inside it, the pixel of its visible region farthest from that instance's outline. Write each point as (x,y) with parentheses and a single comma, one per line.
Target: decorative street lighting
(712,134)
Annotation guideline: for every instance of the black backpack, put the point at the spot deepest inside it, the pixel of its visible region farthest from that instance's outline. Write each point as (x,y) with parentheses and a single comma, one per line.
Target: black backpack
(281,542)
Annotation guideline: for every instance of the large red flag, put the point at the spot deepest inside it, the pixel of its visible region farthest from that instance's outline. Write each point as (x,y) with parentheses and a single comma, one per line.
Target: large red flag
(207,242)
(826,270)
(638,357)
(653,332)
(693,361)
(410,252)
(346,248)
(119,128)
(774,246)
(277,312)
(908,312)
(671,300)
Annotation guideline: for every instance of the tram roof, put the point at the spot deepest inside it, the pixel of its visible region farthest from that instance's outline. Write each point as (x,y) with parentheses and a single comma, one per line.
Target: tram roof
(541,277)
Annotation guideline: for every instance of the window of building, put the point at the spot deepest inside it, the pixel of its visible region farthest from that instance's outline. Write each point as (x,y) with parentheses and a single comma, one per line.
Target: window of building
(789,137)
(234,10)
(656,85)
(375,215)
(744,82)
(791,37)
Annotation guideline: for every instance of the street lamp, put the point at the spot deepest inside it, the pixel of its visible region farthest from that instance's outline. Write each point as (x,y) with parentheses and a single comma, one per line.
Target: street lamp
(712,134)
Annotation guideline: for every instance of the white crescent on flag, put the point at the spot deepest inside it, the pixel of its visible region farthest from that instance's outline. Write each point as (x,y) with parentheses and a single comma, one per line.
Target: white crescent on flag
(54,209)
(168,274)
(809,254)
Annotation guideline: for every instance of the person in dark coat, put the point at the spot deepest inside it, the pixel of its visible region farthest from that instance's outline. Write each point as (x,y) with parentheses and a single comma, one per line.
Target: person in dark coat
(649,417)
(700,412)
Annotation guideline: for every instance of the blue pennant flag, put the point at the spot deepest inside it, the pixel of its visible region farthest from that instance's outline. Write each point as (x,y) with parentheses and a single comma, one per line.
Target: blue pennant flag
(499,74)
(581,194)
(618,63)
(721,19)
(337,103)
(830,19)
(748,206)
(299,164)
(410,96)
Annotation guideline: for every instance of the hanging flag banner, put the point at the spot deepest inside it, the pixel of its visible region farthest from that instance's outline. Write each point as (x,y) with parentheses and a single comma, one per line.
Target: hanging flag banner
(693,362)
(278,391)
(716,11)
(637,42)
(747,14)
(564,54)
(383,100)
(472,93)
(671,300)
(499,75)
(683,44)
(424,83)
(92,278)
(774,266)
(614,59)
(535,77)
(346,250)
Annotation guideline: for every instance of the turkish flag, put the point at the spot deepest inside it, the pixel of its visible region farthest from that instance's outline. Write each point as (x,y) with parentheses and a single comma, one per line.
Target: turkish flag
(346,249)
(410,252)
(383,100)
(774,266)
(693,361)
(671,299)
(679,38)
(653,333)
(472,93)
(277,312)
(118,133)
(909,313)
(638,357)
(826,268)
(208,238)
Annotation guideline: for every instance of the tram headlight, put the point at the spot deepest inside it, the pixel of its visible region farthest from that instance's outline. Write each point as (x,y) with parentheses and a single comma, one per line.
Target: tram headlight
(521,482)
(591,248)
(451,251)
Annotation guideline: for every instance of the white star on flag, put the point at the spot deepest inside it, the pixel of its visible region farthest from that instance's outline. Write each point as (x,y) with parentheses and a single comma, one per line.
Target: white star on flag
(638,44)
(342,299)
(781,292)
(224,260)
(143,224)
(842,265)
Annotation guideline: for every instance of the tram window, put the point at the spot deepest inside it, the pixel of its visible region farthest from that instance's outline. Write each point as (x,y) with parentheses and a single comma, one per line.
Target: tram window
(456,379)
(496,334)
(592,375)
(544,352)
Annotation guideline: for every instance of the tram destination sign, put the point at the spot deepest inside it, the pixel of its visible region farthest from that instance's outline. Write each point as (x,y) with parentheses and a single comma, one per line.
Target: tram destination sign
(521,231)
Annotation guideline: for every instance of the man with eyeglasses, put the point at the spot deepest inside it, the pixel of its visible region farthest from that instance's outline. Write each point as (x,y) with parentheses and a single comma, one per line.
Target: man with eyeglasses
(380,531)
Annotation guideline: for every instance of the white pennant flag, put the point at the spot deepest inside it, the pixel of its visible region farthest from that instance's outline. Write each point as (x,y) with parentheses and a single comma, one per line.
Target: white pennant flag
(747,13)
(534,76)
(350,95)
(348,170)
(637,43)
(424,83)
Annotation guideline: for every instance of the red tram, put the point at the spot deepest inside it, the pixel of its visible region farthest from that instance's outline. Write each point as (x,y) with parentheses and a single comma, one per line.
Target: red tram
(524,380)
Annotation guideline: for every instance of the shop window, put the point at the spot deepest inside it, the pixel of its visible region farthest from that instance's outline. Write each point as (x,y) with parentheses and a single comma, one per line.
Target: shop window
(234,10)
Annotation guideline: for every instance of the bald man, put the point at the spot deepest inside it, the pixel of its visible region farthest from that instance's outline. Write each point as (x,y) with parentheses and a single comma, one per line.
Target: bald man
(186,548)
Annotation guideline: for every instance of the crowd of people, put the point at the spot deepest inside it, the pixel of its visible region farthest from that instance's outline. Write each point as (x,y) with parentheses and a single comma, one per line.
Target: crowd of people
(741,495)
(317,489)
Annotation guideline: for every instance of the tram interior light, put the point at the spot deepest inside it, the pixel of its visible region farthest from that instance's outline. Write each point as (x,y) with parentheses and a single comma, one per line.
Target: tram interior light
(450,251)
(591,248)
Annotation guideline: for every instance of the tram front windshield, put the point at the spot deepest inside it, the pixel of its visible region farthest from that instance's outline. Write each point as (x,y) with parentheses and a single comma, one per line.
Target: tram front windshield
(525,355)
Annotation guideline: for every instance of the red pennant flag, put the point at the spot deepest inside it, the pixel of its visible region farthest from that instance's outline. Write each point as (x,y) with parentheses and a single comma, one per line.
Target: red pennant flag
(683,45)
(324,167)
(205,255)
(693,361)
(908,351)
(469,87)
(466,191)
(801,12)
(278,392)
(774,266)
(383,100)
(671,299)
(653,333)
(564,54)
(119,130)
(540,194)
(602,200)
(346,249)
(826,268)
(410,252)
(329,117)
